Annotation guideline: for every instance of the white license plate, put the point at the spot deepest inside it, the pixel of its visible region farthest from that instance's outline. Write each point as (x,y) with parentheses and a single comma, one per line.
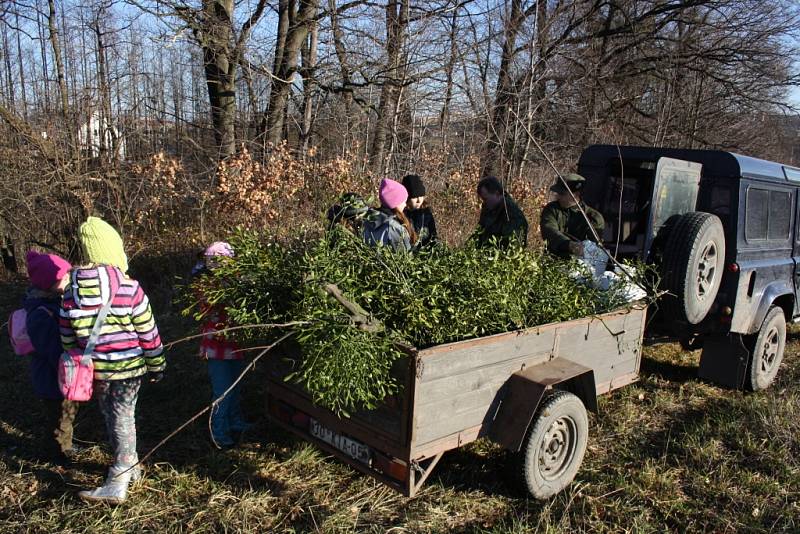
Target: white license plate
(352,448)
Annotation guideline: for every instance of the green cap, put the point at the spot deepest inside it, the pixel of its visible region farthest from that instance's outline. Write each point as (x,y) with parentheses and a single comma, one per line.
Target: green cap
(573,180)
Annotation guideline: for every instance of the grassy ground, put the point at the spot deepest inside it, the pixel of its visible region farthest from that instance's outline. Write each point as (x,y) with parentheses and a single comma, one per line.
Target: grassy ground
(669,453)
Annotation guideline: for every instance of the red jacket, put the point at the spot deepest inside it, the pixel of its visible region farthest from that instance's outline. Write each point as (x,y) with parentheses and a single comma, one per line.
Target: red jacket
(215,346)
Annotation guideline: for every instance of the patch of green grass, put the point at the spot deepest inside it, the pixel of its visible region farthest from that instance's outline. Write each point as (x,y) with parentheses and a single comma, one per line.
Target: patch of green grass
(669,453)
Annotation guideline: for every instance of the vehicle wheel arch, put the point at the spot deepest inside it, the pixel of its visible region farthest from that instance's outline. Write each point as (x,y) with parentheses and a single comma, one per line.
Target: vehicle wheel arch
(777,293)
(523,398)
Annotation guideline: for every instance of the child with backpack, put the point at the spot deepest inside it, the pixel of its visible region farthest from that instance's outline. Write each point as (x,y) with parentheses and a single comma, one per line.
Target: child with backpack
(127,348)
(40,339)
(225,361)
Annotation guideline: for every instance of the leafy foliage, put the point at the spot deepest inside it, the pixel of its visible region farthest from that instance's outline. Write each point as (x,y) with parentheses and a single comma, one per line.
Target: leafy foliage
(436,296)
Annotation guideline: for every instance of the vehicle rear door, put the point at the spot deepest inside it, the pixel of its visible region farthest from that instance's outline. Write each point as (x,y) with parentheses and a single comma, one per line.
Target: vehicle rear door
(674,192)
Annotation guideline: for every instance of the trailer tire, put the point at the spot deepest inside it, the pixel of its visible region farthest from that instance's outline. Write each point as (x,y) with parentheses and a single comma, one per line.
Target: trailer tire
(766,350)
(694,257)
(555,445)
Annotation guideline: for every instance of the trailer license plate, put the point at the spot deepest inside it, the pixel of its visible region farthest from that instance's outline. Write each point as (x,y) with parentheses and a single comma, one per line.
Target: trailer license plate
(352,448)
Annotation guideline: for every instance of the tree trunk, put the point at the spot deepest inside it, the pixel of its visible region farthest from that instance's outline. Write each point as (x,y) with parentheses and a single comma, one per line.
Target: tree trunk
(43,49)
(444,116)
(396,25)
(494,159)
(220,71)
(21,64)
(309,56)
(54,42)
(344,68)
(286,58)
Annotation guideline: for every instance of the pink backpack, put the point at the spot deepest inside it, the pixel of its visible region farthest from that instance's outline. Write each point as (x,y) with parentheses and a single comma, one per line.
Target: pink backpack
(18,333)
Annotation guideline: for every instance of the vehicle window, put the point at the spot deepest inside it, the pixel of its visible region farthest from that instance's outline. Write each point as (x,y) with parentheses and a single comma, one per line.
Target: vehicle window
(755,226)
(768,215)
(780,213)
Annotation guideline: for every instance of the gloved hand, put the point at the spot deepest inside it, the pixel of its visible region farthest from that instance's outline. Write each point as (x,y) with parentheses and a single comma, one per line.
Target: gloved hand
(575,248)
(155,377)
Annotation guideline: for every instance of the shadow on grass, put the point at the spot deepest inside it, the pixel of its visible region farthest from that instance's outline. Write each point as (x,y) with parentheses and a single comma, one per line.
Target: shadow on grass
(668,370)
(483,467)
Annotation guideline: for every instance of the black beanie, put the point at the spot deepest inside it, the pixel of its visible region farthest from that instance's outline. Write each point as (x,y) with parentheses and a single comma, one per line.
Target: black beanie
(414,186)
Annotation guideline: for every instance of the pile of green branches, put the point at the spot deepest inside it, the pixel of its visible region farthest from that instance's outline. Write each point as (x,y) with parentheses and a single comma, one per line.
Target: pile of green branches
(435,296)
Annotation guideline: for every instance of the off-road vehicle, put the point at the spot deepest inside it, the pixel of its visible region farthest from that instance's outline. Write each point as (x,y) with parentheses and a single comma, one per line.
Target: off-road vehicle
(722,230)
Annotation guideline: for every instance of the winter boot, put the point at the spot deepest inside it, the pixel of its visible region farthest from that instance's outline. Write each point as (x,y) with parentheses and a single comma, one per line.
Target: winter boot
(115,488)
(136,474)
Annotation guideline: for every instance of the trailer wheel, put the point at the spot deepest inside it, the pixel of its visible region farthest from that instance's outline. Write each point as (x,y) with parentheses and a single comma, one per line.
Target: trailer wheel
(766,350)
(694,256)
(555,445)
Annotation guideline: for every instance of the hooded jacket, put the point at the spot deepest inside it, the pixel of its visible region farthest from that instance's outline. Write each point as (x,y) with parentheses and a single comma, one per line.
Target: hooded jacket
(129,344)
(42,325)
(381,227)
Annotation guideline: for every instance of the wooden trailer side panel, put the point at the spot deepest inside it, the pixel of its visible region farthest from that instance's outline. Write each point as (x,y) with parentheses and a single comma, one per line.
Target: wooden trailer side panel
(459,385)
(385,428)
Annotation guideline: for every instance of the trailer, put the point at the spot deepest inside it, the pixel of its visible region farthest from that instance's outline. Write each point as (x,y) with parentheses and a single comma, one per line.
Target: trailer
(527,390)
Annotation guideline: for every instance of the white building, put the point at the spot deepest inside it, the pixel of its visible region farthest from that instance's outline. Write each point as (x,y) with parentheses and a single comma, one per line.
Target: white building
(99,135)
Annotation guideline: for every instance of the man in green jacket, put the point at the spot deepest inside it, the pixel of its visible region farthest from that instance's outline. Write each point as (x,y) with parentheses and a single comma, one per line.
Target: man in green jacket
(563,225)
(500,218)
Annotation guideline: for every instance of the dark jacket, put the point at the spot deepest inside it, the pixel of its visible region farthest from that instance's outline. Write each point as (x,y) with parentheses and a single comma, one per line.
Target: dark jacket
(504,222)
(42,325)
(381,227)
(561,226)
(424,225)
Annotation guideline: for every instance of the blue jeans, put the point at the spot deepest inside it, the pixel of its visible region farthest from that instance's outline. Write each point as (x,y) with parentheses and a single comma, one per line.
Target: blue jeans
(226,417)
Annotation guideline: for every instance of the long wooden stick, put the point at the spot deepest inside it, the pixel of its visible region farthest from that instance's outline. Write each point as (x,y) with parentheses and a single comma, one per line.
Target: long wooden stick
(241,327)
(212,405)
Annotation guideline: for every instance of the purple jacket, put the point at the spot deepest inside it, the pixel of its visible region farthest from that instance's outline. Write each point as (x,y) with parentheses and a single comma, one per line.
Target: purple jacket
(42,324)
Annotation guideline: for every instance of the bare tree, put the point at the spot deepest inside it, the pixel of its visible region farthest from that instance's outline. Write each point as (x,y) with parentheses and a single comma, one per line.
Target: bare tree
(296,18)
(397,12)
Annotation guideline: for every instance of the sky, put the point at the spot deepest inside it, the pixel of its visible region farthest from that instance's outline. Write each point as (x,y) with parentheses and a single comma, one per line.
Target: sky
(794,96)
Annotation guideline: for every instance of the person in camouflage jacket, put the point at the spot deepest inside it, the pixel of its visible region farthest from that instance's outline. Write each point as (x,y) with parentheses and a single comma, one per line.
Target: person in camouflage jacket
(563,225)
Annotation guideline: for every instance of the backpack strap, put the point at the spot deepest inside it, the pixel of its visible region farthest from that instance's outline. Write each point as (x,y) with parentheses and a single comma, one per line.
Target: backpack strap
(98,326)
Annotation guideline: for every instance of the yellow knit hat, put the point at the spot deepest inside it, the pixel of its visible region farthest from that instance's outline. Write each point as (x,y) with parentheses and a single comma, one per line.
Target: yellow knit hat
(102,244)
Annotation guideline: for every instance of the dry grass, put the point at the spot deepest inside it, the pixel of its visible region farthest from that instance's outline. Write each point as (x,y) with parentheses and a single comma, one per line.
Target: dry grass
(669,453)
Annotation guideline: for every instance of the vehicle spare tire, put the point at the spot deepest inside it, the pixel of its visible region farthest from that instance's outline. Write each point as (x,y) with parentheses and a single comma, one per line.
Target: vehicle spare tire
(693,260)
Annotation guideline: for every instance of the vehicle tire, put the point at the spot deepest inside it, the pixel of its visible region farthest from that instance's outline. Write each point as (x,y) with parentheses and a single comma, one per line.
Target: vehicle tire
(555,445)
(694,257)
(766,350)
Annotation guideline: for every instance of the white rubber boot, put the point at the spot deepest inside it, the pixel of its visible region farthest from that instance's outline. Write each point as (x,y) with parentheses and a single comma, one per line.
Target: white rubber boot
(115,488)
(136,474)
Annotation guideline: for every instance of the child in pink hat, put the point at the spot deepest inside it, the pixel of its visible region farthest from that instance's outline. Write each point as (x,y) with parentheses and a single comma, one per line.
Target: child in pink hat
(49,275)
(225,360)
(388,226)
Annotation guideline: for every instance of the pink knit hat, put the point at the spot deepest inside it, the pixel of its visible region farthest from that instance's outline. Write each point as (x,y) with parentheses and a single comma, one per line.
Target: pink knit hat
(45,270)
(219,248)
(392,193)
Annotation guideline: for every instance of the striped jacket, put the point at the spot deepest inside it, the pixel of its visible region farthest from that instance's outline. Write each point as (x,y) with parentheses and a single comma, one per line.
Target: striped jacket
(129,344)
